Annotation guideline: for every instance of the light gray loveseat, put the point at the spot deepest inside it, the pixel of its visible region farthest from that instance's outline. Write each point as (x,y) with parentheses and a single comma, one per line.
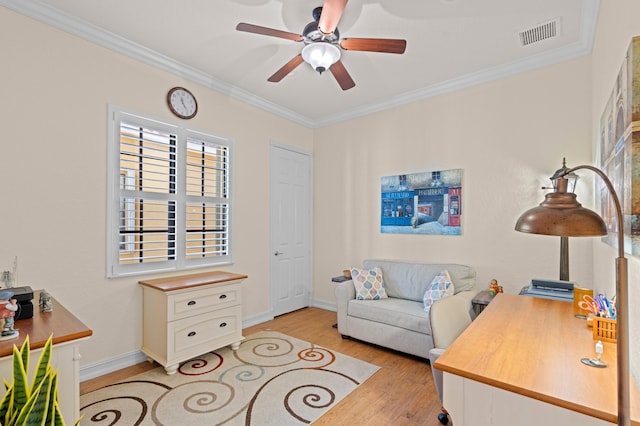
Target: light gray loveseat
(399,322)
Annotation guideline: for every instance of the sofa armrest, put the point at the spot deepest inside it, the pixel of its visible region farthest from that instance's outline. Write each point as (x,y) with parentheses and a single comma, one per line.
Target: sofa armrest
(344,291)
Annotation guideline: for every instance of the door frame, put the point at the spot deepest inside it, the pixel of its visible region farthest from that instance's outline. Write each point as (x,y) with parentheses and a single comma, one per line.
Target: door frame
(272,294)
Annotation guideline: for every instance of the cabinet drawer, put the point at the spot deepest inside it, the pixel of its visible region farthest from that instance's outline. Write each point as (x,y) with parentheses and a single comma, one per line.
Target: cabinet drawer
(194,336)
(196,302)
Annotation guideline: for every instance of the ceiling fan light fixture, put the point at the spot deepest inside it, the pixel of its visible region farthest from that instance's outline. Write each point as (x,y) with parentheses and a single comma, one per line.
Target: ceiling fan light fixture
(320,55)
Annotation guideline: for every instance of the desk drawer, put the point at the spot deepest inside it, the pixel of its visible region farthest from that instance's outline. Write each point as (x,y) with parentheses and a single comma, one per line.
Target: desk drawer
(196,302)
(194,336)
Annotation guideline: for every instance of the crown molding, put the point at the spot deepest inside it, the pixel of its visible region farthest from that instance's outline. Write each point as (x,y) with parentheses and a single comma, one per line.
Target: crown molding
(95,34)
(65,22)
(581,47)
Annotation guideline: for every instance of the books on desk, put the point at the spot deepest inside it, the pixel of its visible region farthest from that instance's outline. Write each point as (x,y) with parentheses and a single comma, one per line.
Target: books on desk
(549,289)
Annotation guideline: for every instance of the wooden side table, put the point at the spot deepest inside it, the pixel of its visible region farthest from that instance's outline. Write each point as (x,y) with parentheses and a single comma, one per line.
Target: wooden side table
(480,301)
(339,279)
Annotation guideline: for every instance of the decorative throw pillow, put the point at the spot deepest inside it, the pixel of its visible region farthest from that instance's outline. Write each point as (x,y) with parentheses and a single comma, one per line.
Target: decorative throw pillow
(368,283)
(440,287)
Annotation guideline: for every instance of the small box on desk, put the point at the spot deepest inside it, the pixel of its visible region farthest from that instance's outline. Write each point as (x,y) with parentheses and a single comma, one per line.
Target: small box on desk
(22,294)
(25,310)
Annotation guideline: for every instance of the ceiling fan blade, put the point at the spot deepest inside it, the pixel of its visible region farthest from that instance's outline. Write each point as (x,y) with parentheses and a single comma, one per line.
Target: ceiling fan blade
(342,76)
(286,69)
(256,29)
(331,14)
(384,45)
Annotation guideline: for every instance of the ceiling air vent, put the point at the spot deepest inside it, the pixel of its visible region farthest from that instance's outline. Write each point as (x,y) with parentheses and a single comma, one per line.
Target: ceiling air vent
(540,32)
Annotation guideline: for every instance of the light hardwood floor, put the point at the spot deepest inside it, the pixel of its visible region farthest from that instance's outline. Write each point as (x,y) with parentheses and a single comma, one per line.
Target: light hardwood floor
(400,393)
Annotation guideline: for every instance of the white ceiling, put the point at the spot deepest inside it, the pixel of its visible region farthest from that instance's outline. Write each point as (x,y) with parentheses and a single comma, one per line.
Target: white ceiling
(450,44)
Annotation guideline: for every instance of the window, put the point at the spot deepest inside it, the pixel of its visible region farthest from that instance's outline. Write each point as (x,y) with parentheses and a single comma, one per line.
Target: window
(169,206)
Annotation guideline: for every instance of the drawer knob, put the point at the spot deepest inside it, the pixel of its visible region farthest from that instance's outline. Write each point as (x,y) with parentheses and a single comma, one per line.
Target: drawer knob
(224,324)
(191,334)
(191,302)
(222,296)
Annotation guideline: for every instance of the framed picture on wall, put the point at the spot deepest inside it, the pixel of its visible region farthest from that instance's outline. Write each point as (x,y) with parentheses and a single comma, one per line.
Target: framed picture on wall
(422,203)
(620,152)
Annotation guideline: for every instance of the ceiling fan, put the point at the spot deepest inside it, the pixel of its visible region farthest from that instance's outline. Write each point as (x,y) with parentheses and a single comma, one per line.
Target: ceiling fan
(322,39)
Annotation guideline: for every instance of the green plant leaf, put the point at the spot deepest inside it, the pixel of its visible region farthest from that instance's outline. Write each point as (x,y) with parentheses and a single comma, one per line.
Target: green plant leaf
(22,414)
(53,400)
(5,405)
(43,363)
(77,423)
(20,393)
(25,352)
(59,421)
(34,412)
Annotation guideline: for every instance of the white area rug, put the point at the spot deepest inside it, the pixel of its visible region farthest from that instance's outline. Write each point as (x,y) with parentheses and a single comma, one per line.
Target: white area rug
(272,379)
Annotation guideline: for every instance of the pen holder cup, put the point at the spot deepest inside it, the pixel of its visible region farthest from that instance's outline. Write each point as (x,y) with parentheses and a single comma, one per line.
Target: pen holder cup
(604,329)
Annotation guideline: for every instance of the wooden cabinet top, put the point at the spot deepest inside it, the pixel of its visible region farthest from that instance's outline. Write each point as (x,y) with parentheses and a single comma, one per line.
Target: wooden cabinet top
(182,282)
(60,323)
(533,346)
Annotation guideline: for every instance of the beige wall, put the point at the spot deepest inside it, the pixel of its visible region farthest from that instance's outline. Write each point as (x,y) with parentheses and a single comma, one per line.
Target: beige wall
(617,24)
(508,136)
(53,173)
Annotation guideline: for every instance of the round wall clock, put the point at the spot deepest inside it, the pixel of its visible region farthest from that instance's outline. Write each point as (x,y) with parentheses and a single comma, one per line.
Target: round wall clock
(182,103)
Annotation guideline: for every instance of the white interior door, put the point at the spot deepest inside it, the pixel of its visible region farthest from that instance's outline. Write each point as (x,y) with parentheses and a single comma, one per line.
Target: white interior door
(290,230)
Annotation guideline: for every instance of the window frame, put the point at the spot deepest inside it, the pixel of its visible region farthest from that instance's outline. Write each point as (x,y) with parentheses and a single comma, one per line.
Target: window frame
(114,241)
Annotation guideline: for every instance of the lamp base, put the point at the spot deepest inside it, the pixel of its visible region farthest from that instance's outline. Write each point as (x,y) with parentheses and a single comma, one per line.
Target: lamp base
(593,362)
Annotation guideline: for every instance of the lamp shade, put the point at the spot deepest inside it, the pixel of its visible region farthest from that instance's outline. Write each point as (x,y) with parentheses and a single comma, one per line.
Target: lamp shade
(320,55)
(562,215)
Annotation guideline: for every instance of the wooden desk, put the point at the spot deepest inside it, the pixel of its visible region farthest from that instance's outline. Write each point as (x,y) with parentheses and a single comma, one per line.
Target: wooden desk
(68,331)
(520,360)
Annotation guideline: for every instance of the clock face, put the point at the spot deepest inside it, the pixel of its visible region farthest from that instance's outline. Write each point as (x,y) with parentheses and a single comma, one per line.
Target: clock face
(182,102)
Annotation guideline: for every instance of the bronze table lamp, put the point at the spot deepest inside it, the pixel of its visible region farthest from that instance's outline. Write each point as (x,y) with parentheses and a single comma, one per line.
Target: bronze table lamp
(562,215)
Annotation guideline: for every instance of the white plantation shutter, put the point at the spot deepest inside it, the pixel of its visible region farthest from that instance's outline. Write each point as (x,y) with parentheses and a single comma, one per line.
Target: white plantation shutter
(148,158)
(207,188)
(170,199)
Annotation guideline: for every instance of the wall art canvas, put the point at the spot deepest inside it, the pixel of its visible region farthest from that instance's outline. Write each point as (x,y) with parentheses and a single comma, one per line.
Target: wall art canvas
(620,152)
(422,203)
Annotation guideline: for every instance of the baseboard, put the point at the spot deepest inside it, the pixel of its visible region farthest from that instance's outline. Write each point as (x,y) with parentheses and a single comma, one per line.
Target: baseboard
(127,360)
(109,366)
(256,319)
(323,304)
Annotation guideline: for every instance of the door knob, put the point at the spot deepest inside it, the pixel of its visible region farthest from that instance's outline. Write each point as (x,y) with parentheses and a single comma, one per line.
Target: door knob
(277,253)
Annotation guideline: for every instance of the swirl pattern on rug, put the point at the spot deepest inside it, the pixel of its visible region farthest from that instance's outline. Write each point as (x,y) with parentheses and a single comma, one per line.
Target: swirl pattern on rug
(272,379)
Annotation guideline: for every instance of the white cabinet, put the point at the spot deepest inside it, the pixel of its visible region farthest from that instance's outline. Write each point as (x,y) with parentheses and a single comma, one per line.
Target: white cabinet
(187,316)
(472,403)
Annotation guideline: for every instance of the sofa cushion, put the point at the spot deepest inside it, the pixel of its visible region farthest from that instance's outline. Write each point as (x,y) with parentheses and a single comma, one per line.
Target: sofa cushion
(369,283)
(402,313)
(441,287)
(407,280)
